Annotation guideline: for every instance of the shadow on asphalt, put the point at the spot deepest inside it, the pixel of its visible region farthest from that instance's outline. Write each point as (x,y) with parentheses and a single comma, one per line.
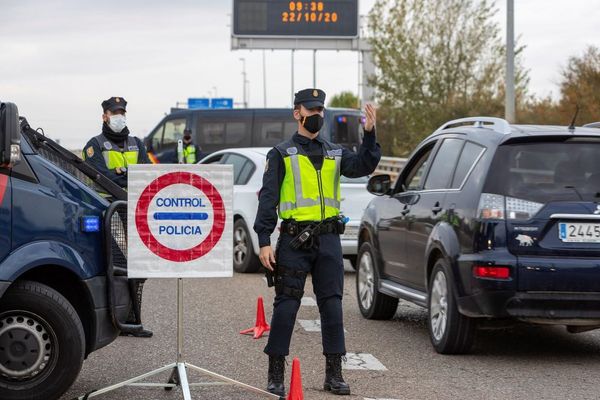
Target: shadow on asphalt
(525,341)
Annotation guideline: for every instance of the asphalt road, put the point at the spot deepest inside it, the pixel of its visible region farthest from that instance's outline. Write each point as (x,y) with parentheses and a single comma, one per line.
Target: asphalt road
(524,362)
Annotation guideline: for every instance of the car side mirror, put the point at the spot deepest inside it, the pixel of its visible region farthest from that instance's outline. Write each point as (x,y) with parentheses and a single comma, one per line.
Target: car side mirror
(379,185)
(10,135)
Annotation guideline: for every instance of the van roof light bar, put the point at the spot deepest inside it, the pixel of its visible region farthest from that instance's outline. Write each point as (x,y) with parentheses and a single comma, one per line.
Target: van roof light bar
(496,124)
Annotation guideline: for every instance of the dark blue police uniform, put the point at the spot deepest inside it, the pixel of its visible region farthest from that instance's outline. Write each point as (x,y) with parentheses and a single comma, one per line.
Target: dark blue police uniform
(325,263)
(323,260)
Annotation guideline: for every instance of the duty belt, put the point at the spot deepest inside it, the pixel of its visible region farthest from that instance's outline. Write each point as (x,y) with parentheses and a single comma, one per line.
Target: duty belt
(292,227)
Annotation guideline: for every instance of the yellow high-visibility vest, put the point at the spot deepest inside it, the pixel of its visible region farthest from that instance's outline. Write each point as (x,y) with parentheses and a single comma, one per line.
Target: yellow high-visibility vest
(308,194)
(189,154)
(115,157)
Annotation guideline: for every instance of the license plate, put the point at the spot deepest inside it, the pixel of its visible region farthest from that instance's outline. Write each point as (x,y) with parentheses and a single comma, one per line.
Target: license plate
(351,232)
(579,232)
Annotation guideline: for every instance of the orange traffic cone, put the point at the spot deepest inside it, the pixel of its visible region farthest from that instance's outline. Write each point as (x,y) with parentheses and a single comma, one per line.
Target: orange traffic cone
(296,392)
(261,326)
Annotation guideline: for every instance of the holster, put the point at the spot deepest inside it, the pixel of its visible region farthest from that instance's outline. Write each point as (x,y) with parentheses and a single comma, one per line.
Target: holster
(270,275)
(281,288)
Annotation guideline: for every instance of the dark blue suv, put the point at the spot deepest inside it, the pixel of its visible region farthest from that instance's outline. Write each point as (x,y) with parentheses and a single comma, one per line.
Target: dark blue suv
(487,221)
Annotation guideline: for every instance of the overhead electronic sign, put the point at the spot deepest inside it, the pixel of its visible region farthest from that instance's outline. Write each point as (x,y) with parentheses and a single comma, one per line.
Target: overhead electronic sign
(287,19)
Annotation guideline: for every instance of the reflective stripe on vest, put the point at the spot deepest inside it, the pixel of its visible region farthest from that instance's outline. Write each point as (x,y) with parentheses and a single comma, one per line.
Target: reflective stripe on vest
(115,157)
(307,194)
(189,154)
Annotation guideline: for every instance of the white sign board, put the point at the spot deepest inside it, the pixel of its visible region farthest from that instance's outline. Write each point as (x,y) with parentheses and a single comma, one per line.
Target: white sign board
(180,221)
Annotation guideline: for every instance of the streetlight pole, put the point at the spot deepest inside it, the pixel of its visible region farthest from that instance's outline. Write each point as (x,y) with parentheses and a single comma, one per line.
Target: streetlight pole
(243,60)
(509,105)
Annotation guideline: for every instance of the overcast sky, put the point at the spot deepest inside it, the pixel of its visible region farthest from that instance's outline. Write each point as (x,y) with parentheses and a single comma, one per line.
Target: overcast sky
(60,58)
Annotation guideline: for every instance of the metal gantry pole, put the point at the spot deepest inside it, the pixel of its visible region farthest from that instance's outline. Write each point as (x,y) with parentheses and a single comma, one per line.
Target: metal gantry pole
(358,80)
(293,77)
(264,80)
(243,60)
(510,62)
(314,68)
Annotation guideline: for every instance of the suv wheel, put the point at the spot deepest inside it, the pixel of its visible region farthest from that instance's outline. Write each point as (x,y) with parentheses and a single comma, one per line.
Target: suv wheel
(41,343)
(449,330)
(244,259)
(372,303)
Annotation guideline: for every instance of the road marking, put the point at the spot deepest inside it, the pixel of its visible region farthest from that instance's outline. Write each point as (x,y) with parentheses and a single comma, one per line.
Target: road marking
(363,361)
(308,301)
(311,325)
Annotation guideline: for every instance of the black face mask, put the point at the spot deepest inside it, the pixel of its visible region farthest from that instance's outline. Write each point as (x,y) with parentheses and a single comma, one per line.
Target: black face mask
(313,123)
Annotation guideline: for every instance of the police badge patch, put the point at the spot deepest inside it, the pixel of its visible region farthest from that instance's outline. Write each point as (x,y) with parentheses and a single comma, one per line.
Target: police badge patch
(292,151)
(90,152)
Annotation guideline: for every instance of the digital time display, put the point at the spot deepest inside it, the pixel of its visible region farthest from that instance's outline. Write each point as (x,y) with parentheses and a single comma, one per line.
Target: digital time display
(273,18)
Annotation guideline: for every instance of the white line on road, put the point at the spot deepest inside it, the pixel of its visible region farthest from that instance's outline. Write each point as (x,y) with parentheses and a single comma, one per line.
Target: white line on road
(312,325)
(363,361)
(308,301)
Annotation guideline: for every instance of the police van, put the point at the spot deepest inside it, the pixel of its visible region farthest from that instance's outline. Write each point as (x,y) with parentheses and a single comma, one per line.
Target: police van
(63,268)
(215,130)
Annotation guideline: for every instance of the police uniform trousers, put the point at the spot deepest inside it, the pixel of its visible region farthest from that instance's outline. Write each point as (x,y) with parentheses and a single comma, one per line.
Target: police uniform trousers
(325,264)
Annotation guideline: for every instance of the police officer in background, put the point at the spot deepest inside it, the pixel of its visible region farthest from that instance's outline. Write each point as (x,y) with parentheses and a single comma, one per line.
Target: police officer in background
(190,153)
(111,153)
(302,181)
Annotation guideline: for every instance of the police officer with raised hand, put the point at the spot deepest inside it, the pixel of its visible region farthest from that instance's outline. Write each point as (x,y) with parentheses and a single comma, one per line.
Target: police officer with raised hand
(301,182)
(111,153)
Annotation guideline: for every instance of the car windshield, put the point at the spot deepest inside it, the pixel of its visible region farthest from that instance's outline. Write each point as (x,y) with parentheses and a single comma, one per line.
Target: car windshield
(560,170)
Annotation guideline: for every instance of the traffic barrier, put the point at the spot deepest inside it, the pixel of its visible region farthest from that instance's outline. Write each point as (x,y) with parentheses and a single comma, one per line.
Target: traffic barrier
(296,392)
(261,326)
(391,166)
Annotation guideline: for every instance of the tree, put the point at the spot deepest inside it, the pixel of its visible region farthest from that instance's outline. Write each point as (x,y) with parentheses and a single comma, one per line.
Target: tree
(437,60)
(579,86)
(344,100)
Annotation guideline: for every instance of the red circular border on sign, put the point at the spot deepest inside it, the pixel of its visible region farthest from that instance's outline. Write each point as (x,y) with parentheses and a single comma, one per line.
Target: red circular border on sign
(141,216)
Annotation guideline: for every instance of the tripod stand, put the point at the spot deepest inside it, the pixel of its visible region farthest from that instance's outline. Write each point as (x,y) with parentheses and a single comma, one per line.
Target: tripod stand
(179,369)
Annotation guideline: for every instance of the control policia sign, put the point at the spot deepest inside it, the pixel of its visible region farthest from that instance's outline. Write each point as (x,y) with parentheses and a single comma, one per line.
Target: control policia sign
(279,18)
(180,221)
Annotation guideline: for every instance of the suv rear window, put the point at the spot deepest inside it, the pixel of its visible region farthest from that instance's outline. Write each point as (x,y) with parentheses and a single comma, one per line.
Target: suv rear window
(566,170)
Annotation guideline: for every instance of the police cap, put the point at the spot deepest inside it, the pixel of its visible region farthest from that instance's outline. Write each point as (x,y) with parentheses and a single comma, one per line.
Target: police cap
(310,98)
(114,104)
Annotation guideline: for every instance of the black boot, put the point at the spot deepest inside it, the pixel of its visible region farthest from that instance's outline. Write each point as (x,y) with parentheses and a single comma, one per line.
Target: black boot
(276,374)
(334,382)
(144,333)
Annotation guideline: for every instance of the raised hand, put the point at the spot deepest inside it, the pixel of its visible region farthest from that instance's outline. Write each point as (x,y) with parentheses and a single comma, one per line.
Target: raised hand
(371,113)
